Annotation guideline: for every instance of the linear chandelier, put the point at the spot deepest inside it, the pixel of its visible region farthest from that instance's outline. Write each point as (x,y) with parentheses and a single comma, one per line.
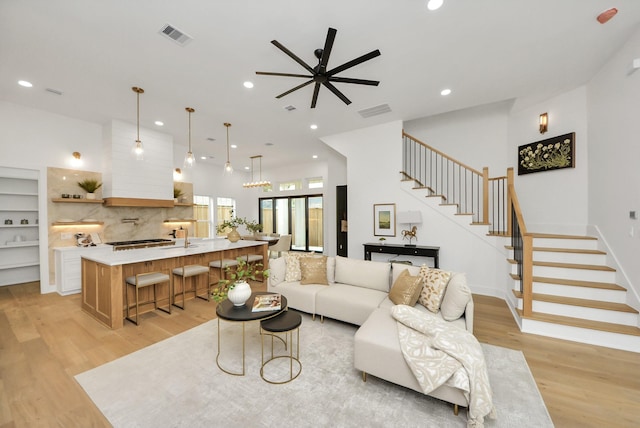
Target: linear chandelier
(261,182)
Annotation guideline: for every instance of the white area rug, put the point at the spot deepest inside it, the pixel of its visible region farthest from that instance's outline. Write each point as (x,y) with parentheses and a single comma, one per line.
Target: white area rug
(176,383)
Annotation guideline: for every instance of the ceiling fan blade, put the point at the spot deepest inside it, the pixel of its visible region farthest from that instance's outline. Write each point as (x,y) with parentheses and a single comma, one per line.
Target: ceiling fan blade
(292,55)
(268,73)
(314,99)
(328,45)
(294,89)
(354,62)
(337,92)
(357,81)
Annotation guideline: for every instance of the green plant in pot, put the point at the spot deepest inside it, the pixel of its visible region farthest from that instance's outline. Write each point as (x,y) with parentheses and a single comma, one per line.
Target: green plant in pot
(90,185)
(233,223)
(252,226)
(177,193)
(235,286)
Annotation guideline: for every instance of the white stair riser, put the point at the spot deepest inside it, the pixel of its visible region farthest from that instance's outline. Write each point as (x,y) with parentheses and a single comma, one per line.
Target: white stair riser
(603,295)
(603,315)
(583,335)
(575,274)
(582,244)
(579,258)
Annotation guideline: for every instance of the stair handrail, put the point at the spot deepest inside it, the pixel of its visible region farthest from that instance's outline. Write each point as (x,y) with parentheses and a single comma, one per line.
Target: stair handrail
(522,243)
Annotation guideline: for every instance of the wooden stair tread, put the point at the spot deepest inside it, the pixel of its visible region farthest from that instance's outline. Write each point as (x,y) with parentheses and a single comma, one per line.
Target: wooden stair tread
(582,323)
(574,266)
(574,283)
(559,236)
(463,214)
(480,223)
(568,250)
(585,303)
(504,234)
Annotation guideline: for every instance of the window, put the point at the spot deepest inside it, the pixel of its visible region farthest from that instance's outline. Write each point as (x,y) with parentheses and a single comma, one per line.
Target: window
(291,185)
(202,213)
(224,211)
(315,183)
(298,216)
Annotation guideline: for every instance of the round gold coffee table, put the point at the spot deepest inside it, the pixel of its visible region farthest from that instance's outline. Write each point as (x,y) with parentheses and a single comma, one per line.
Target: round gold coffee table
(243,314)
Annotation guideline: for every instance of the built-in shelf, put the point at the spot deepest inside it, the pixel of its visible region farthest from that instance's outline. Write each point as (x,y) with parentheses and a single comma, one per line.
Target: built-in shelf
(183,204)
(20,244)
(19,265)
(18,193)
(78,201)
(19,225)
(77,223)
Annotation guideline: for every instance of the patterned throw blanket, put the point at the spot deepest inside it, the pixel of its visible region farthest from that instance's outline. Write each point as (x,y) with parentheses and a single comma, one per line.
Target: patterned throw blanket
(439,353)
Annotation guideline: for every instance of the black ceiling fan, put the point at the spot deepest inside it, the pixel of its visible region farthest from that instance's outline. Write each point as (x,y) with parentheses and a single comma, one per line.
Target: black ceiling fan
(319,74)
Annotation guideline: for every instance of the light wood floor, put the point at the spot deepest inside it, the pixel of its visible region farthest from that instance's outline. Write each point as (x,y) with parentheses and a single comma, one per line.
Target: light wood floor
(46,339)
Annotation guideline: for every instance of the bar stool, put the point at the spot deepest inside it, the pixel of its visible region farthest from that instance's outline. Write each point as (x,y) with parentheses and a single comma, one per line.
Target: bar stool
(254,258)
(142,280)
(190,271)
(223,264)
(286,322)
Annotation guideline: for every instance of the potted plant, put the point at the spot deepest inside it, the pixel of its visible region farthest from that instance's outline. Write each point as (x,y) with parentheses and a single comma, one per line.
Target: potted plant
(252,226)
(233,223)
(176,194)
(235,286)
(90,185)
(382,239)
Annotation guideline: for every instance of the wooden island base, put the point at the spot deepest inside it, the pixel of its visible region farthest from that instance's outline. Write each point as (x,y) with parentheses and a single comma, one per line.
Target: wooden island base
(103,276)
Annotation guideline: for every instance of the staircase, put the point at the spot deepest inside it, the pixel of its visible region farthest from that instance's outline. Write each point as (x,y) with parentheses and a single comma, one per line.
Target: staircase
(575,296)
(571,293)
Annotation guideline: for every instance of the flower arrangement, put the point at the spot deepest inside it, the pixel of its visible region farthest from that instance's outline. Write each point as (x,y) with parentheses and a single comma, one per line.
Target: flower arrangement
(233,222)
(252,226)
(89,185)
(546,156)
(242,272)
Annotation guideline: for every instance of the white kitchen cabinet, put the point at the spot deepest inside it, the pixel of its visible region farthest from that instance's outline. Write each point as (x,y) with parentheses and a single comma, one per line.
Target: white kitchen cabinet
(68,262)
(19,244)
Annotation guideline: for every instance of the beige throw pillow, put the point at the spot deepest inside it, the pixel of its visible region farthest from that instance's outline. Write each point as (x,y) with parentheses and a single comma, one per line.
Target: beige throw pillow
(434,283)
(292,261)
(456,297)
(313,270)
(406,289)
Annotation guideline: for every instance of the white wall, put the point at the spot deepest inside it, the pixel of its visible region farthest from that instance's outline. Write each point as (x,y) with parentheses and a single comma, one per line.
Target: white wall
(553,201)
(614,156)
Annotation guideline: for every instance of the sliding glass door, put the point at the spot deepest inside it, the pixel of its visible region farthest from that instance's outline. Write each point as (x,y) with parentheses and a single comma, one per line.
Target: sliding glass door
(298,216)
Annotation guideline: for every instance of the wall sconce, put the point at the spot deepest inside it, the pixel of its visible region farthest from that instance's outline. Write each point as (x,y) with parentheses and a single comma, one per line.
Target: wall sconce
(411,218)
(76,160)
(544,122)
(177,174)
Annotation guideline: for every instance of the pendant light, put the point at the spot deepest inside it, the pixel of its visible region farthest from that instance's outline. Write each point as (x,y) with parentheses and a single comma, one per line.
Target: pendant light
(228,169)
(260,182)
(189,159)
(138,148)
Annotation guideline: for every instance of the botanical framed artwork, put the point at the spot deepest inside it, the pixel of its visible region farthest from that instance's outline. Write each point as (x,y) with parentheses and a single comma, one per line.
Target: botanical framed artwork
(545,155)
(384,219)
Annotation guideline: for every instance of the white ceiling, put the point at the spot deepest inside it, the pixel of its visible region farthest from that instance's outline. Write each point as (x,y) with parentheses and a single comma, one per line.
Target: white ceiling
(485,51)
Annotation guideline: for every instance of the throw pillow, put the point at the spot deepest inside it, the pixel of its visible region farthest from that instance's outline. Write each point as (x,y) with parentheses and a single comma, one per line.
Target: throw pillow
(456,297)
(292,261)
(313,270)
(406,289)
(277,269)
(434,283)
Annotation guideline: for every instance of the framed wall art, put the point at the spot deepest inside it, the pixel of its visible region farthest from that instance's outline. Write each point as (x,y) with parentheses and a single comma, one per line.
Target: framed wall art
(384,219)
(546,155)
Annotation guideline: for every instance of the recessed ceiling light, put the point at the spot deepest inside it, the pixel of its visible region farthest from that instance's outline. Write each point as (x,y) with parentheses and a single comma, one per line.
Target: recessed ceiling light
(315,156)
(159,123)
(445,92)
(25,83)
(434,4)
(247,168)
(233,146)
(313,126)
(203,157)
(248,84)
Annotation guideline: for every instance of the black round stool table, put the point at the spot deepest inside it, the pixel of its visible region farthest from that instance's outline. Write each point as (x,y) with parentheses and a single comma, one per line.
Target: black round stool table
(287,322)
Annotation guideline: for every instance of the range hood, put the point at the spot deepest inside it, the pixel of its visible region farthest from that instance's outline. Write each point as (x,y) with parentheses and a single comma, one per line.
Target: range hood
(128,182)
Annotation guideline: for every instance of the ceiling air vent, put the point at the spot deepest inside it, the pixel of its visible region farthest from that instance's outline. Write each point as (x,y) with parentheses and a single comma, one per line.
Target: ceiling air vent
(289,108)
(374,111)
(180,37)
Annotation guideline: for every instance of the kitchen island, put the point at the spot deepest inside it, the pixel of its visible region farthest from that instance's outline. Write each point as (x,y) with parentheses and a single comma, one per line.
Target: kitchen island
(104,273)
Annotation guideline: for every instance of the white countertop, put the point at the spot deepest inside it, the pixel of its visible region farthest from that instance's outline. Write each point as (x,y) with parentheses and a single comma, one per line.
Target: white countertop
(198,246)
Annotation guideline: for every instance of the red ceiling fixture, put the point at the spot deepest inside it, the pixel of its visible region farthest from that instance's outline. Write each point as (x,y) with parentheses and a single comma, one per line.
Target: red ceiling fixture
(607,15)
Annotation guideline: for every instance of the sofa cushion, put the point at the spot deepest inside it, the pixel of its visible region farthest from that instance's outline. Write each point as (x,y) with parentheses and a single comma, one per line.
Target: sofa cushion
(331,269)
(277,269)
(406,289)
(455,298)
(398,268)
(302,298)
(292,261)
(460,322)
(363,273)
(347,303)
(313,270)
(433,287)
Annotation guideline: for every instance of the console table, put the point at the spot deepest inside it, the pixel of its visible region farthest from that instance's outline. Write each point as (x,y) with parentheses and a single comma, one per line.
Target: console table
(418,251)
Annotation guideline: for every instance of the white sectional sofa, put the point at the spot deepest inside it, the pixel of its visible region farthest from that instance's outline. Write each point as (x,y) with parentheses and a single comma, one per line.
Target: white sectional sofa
(357,292)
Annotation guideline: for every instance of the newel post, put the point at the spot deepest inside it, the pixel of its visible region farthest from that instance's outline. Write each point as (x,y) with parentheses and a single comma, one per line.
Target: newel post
(485,194)
(527,274)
